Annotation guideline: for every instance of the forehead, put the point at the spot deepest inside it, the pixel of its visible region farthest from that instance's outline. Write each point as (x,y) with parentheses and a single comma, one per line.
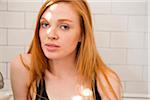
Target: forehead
(61,10)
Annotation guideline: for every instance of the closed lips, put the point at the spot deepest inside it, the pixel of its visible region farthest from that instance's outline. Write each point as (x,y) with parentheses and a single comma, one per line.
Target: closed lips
(52,45)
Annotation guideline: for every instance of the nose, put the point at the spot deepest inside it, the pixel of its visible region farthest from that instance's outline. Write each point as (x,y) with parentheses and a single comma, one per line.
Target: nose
(52,34)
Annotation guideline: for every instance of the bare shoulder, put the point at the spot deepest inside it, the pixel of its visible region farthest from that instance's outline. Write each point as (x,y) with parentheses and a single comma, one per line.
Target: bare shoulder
(19,75)
(18,63)
(114,81)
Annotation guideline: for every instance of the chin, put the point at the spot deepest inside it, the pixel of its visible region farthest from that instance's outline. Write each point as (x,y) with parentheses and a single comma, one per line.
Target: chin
(51,56)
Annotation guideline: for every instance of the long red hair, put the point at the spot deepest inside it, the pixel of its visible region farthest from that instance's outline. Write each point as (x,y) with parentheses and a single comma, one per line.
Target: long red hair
(89,64)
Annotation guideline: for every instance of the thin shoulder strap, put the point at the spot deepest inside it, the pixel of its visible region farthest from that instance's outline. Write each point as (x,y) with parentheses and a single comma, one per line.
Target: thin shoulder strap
(95,91)
(97,94)
(25,65)
(41,91)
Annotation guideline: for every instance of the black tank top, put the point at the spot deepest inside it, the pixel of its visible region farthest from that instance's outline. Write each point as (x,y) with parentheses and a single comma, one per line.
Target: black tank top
(42,95)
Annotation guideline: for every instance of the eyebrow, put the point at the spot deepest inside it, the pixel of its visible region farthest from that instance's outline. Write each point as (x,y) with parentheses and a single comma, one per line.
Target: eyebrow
(59,20)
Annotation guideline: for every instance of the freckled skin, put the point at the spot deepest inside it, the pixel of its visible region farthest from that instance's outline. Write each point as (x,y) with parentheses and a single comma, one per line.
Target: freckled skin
(67,39)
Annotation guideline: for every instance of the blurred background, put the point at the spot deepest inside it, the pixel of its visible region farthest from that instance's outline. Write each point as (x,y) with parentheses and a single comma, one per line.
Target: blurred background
(121,31)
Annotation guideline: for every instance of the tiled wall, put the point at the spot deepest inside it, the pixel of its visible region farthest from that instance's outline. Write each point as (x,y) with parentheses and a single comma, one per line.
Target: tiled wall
(120,28)
(122,39)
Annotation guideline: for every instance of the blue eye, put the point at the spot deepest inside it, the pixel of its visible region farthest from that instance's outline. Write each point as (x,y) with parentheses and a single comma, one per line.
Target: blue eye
(65,27)
(44,25)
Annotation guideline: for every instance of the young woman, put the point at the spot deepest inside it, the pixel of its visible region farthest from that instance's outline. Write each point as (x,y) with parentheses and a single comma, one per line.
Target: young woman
(63,62)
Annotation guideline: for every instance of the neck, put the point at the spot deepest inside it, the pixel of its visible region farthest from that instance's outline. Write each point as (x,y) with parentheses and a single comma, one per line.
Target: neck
(64,67)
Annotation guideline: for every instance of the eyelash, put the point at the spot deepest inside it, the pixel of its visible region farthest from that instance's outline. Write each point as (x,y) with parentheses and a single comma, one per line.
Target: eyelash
(62,26)
(44,23)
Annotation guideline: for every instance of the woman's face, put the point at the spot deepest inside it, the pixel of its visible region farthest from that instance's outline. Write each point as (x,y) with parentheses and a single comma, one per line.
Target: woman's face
(59,31)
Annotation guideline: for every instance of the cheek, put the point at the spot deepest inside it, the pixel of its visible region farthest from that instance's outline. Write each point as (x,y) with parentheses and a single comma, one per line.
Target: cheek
(41,36)
(71,42)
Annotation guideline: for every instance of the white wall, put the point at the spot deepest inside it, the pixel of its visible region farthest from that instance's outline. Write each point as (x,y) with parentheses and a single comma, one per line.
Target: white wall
(121,35)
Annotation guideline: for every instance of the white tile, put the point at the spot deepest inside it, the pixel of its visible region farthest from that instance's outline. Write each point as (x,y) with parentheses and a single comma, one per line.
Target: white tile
(24,6)
(24,1)
(136,87)
(127,40)
(30,20)
(137,96)
(131,1)
(146,71)
(3,69)
(110,23)
(19,37)
(146,40)
(8,70)
(137,23)
(3,1)
(102,39)
(148,87)
(3,36)
(148,47)
(98,1)
(3,5)
(11,52)
(113,56)
(128,72)
(137,56)
(148,23)
(148,7)
(12,19)
(134,98)
(2,19)
(129,8)
(100,7)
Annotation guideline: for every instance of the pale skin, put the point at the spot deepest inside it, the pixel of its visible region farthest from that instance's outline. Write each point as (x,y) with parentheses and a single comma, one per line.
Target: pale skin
(62,28)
